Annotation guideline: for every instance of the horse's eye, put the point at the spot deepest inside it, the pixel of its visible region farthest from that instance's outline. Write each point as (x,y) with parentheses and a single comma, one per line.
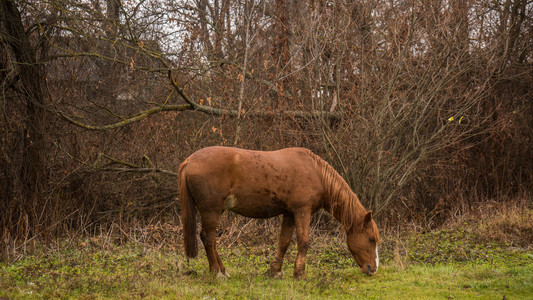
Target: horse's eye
(372,240)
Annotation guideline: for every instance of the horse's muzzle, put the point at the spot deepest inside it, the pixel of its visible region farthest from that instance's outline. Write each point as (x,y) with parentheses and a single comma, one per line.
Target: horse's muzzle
(369,271)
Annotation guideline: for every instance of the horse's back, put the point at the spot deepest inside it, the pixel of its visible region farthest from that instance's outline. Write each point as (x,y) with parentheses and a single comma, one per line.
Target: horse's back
(257,184)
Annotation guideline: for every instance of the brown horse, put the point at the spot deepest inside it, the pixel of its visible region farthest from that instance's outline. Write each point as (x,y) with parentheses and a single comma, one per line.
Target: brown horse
(293,182)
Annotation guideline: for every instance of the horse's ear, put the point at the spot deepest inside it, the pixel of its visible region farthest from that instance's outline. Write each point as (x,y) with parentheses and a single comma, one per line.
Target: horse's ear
(368,218)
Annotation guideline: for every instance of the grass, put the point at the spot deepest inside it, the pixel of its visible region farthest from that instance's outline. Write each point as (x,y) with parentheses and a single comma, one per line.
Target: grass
(461,261)
(127,272)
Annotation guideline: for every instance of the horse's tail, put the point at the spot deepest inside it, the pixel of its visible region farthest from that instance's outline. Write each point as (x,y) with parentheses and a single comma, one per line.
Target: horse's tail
(188,214)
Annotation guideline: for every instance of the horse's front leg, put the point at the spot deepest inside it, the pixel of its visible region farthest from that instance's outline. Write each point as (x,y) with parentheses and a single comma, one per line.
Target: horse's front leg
(302,221)
(287,229)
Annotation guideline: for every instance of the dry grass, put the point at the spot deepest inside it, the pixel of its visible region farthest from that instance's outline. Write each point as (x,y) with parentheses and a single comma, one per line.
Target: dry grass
(508,222)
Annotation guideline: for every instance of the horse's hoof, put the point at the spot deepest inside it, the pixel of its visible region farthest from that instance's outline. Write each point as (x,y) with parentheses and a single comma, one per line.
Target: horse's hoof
(224,275)
(274,274)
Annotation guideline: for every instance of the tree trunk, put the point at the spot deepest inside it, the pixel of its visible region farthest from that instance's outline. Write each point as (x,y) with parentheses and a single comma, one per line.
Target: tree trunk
(27,172)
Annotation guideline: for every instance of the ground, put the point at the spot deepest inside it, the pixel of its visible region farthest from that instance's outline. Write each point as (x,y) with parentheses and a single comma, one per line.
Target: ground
(471,258)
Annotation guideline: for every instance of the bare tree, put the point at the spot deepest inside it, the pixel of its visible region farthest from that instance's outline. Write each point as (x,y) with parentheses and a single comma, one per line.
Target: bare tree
(22,172)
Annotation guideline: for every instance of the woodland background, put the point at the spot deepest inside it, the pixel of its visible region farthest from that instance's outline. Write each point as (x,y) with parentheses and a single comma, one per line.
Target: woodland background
(424,107)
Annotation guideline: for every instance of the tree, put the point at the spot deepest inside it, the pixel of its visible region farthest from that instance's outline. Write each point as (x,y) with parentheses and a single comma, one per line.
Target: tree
(22,170)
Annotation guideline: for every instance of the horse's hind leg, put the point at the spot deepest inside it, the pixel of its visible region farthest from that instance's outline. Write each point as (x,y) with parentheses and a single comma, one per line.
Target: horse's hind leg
(208,236)
(287,229)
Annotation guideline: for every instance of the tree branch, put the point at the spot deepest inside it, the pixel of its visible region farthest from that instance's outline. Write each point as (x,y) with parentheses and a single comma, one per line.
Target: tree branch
(192,105)
(138,170)
(234,113)
(138,117)
(131,167)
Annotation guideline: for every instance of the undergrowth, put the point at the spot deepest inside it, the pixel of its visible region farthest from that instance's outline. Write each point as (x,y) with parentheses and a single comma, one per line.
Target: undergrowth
(469,258)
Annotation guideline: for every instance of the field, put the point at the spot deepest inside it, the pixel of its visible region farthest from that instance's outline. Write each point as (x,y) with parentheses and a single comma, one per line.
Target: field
(487,258)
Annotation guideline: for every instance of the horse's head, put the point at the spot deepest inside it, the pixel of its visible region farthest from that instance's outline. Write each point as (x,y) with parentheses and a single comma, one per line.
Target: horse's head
(363,244)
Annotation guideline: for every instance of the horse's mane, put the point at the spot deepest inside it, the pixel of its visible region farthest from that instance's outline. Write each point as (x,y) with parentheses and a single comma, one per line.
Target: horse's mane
(344,204)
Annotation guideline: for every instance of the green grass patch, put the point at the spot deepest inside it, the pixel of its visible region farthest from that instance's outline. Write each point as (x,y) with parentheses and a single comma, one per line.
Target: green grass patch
(128,271)
(481,258)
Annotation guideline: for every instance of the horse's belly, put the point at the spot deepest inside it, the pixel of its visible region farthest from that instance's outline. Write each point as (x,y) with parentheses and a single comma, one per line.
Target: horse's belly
(254,207)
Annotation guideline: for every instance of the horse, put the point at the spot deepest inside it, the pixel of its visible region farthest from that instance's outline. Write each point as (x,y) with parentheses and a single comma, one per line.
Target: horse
(292,182)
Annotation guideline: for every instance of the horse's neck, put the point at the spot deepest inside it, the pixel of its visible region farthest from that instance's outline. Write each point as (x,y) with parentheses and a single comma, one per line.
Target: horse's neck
(340,201)
(346,214)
